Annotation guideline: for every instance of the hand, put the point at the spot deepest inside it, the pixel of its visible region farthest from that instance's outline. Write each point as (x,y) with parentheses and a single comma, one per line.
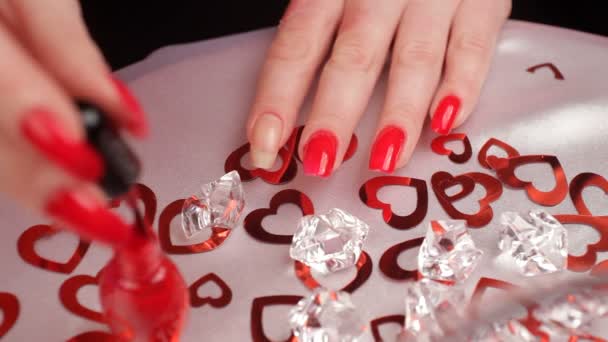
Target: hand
(441,54)
(47,61)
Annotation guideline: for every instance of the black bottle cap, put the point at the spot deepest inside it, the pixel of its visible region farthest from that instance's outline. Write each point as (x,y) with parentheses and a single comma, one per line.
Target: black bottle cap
(122,168)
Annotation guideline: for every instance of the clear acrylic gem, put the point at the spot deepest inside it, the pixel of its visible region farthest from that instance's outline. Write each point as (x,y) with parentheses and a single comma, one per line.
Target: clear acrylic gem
(535,240)
(430,307)
(326,316)
(219,204)
(574,313)
(448,252)
(329,242)
(511,331)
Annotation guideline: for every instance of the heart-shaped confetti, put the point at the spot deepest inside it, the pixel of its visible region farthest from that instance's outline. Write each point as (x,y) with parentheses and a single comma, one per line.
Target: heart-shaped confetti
(556,72)
(376,323)
(257,313)
(146,196)
(217,302)
(95,336)
(368,193)
(438,146)
(441,181)
(578,185)
(364,270)
(493,142)
(27,251)
(68,294)
(389,264)
(505,170)
(9,306)
(284,174)
(174,209)
(586,261)
(253,221)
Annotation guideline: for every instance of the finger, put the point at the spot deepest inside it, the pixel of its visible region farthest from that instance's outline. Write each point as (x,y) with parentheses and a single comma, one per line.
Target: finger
(416,65)
(347,81)
(55,34)
(302,40)
(472,41)
(35,110)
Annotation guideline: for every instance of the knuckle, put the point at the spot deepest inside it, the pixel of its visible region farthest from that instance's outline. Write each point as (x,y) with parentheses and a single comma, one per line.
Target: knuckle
(403,109)
(474,43)
(291,45)
(419,53)
(352,55)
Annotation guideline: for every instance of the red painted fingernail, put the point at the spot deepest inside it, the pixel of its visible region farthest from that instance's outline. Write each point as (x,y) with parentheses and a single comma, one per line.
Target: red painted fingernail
(136,123)
(89,217)
(41,128)
(386,149)
(320,154)
(445,114)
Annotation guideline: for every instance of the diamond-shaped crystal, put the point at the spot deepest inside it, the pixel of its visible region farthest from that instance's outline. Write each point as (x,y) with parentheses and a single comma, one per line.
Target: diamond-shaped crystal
(219,204)
(329,242)
(574,313)
(511,331)
(535,240)
(430,307)
(448,252)
(326,316)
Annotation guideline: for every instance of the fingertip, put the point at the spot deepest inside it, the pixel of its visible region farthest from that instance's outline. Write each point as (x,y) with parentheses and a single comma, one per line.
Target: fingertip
(135,121)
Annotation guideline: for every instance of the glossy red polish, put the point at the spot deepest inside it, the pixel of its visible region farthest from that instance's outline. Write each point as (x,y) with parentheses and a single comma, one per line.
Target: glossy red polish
(320,154)
(136,123)
(42,130)
(445,114)
(386,149)
(143,295)
(89,217)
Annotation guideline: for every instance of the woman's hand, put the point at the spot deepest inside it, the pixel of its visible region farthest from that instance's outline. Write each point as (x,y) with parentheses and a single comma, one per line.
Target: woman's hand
(47,60)
(441,52)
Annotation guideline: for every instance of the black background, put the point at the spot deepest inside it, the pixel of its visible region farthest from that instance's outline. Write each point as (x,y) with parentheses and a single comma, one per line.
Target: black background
(128,30)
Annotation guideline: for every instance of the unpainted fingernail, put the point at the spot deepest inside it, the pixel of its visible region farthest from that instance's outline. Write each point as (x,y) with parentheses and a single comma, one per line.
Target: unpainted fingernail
(265,139)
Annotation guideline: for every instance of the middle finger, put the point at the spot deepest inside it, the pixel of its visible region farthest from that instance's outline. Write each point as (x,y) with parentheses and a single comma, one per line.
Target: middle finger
(347,81)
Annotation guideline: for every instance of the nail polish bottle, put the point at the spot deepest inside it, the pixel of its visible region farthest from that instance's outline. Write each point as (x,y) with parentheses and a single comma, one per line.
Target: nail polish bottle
(143,296)
(122,168)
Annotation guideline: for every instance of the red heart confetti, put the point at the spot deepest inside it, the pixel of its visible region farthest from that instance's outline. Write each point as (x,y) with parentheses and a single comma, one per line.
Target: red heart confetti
(368,193)
(253,221)
(505,170)
(174,209)
(217,302)
(442,180)
(493,142)
(364,270)
(579,183)
(257,312)
(389,264)
(145,195)
(586,261)
(376,323)
(9,305)
(556,72)
(68,294)
(27,252)
(438,146)
(95,336)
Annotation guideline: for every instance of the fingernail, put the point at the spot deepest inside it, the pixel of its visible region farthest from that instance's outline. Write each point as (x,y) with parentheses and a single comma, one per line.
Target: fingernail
(445,114)
(265,140)
(88,216)
(41,128)
(386,149)
(320,154)
(136,123)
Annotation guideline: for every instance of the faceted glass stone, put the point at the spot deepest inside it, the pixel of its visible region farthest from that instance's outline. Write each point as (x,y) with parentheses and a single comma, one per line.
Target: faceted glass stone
(326,316)
(219,204)
(573,314)
(430,307)
(535,240)
(511,331)
(448,252)
(329,242)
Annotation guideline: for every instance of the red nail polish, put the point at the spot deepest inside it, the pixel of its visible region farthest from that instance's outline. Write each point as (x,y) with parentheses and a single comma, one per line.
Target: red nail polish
(143,295)
(445,114)
(320,154)
(41,129)
(386,149)
(88,217)
(136,123)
